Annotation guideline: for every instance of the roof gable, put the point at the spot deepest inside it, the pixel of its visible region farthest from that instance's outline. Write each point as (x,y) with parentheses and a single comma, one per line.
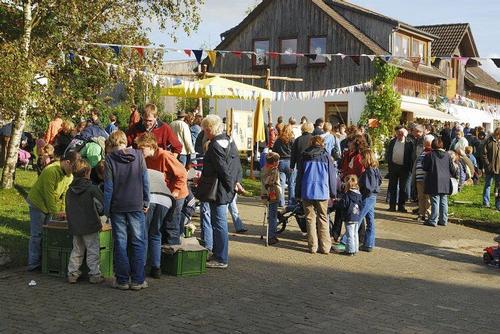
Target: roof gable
(450,38)
(479,78)
(339,19)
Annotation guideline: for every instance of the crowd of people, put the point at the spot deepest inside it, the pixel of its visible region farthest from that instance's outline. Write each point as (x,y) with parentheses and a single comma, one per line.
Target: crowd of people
(140,178)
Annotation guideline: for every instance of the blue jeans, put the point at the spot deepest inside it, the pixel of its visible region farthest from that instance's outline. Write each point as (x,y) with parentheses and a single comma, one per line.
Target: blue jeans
(487,188)
(439,210)
(368,212)
(206,225)
(235,215)
(37,220)
(272,219)
(154,220)
(218,218)
(125,225)
(351,237)
(174,223)
(287,176)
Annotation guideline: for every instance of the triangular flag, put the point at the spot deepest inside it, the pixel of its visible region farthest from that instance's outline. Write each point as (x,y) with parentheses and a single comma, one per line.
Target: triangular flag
(342,56)
(223,54)
(415,61)
(116,49)
(212,55)
(496,61)
(236,53)
(433,59)
(355,59)
(140,51)
(198,54)
(371,57)
(328,56)
(388,58)
(71,56)
(311,56)
(273,55)
(187,52)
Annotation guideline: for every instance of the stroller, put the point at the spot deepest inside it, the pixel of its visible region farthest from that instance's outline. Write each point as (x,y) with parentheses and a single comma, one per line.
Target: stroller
(296,211)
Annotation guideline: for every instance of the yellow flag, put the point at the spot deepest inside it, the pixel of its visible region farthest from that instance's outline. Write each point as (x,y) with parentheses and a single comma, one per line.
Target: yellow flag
(259,132)
(212,55)
(433,59)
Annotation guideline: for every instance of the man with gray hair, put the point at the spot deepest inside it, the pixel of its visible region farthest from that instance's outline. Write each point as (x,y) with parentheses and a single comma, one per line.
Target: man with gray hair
(424,202)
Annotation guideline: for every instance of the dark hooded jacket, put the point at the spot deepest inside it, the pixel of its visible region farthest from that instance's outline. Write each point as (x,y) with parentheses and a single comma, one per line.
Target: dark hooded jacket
(317,175)
(126,182)
(350,204)
(84,205)
(222,160)
(440,169)
(369,182)
(299,146)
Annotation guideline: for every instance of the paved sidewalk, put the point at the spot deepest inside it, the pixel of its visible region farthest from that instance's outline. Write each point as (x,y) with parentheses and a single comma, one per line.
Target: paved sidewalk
(419,280)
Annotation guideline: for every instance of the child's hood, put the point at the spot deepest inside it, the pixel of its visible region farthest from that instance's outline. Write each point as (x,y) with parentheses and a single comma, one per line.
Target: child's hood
(124,156)
(80,185)
(354,195)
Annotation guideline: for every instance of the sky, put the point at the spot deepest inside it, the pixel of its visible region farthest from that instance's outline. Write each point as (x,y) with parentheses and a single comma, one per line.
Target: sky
(483,16)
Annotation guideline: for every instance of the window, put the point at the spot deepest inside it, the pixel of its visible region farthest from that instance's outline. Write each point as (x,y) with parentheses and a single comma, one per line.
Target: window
(419,49)
(288,46)
(261,48)
(317,45)
(401,45)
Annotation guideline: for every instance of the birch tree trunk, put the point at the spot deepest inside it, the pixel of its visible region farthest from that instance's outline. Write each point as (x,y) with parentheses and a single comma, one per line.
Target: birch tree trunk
(20,117)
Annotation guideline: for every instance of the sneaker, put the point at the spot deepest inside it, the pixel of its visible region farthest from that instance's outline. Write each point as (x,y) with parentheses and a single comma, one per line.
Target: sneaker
(155,272)
(96,279)
(392,209)
(366,249)
(121,286)
(272,241)
(338,248)
(137,286)
(426,223)
(402,209)
(242,231)
(216,265)
(415,211)
(72,279)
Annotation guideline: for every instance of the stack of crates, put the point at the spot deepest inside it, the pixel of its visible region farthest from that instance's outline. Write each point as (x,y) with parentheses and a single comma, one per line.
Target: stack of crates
(57,244)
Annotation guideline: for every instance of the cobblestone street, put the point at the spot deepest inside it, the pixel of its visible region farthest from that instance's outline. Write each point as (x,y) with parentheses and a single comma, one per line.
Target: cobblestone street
(418,280)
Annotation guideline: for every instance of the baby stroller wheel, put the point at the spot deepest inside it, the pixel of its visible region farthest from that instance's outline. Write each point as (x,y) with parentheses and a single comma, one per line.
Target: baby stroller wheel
(487,259)
(282,221)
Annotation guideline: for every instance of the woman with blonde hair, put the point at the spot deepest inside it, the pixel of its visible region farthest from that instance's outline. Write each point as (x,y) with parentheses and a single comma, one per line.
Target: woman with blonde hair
(64,137)
(283,147)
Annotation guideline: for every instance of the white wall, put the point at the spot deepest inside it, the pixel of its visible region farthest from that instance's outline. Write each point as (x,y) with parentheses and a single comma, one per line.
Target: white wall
(312,109)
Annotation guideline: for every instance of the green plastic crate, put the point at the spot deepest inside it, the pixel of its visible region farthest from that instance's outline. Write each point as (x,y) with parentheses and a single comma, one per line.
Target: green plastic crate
(56,235)
(184,263)
(55,262)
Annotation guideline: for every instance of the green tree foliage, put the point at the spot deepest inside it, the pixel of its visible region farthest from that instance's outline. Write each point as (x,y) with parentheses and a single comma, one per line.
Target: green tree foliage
(44,31)
(383,103)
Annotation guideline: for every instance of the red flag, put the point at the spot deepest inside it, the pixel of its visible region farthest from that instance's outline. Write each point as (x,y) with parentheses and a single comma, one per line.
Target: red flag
(188,52)
(140,51)
(273,55)
(236,53)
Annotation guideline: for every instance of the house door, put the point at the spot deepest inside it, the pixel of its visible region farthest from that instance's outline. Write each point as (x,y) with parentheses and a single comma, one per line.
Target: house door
(336,112)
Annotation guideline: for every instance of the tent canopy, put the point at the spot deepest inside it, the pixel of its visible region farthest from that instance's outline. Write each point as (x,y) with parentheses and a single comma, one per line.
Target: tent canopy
(217,87)
(421,109)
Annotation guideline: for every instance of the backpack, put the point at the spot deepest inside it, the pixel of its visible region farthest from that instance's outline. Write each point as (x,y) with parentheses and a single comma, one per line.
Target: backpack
(75,145)
(336,154)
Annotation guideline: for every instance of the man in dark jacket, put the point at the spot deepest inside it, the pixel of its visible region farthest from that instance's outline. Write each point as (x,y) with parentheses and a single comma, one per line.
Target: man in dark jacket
(165,136)
(491,164)
(318,127)
(221,163)
(301,144)
(399,157)
(83,210)
(446,135)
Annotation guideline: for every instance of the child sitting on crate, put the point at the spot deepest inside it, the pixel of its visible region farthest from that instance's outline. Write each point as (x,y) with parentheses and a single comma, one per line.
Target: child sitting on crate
(84,207)
(350,204)
(271,193)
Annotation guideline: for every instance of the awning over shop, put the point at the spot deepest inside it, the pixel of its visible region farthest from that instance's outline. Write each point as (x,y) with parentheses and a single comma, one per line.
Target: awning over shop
(475,117)
(421,109)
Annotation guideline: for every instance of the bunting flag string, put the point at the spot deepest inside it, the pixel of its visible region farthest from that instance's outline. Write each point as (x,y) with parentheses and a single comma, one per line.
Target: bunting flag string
(198,54)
